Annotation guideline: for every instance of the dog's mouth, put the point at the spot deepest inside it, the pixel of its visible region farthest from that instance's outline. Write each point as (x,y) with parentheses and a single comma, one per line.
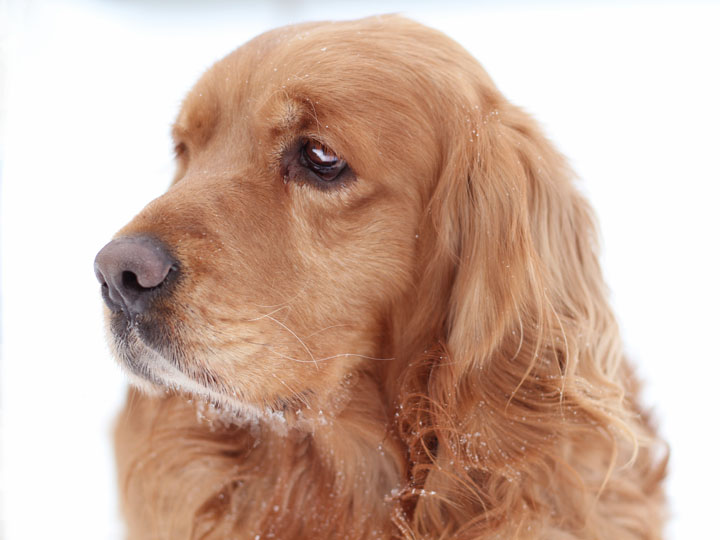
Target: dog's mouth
(146,352)
(154,364)
(139,353)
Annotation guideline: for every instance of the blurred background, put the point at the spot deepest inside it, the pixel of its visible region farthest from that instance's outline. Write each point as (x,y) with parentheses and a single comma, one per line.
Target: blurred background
(89,88)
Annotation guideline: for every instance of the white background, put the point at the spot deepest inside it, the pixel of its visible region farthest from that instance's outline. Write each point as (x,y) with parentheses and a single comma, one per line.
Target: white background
(88,90)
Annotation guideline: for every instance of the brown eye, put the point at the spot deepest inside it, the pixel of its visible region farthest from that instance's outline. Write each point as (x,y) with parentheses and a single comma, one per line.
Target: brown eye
(321,160)
(320,154)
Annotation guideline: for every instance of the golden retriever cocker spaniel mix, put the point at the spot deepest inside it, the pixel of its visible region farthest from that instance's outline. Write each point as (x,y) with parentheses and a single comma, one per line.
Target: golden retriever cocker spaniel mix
(370,306)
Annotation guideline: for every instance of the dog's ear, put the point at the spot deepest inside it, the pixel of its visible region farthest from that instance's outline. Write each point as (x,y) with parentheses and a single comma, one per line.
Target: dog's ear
(521,236)
(528,351)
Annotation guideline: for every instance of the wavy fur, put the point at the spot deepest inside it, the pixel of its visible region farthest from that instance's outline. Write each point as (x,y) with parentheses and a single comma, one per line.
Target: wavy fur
(432,350)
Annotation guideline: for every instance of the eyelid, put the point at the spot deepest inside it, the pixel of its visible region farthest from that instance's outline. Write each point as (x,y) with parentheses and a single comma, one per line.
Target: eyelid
(320,141)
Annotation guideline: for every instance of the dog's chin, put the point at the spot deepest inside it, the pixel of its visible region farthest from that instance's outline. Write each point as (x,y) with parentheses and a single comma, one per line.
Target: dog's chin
(151,372)
(155,374)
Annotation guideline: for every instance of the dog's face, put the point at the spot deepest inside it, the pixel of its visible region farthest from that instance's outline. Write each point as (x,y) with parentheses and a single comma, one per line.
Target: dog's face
(305,162)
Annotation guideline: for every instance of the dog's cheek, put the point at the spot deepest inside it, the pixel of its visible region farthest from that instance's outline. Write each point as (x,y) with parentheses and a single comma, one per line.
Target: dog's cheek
(356,260)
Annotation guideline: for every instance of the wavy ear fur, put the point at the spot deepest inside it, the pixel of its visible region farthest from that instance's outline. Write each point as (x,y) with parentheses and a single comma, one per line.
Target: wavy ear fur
(520,409)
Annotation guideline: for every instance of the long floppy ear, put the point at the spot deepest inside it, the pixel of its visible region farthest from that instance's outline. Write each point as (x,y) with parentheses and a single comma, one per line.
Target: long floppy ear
(516,413)
(524,244)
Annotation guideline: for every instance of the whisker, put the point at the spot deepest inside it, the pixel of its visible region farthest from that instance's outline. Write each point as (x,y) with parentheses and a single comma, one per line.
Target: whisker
(317,360)
(267,314)
(326,328)
(298,338)
(357,356)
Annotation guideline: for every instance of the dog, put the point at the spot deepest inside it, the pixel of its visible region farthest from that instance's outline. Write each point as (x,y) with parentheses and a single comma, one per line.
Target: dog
(370,306)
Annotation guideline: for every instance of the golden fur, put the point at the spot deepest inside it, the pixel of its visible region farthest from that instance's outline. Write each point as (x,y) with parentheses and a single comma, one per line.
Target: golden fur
(425,351)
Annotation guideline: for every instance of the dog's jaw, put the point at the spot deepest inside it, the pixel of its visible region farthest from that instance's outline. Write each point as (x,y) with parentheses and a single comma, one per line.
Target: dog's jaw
(153,374)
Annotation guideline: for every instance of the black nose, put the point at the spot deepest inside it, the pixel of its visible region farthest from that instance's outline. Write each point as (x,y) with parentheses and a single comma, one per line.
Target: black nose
(132,271)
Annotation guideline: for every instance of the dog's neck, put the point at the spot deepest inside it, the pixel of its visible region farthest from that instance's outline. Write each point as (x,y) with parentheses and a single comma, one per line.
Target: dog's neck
(335,472)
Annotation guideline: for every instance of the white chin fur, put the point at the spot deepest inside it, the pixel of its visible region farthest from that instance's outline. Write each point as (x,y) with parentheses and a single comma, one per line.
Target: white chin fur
(230,411)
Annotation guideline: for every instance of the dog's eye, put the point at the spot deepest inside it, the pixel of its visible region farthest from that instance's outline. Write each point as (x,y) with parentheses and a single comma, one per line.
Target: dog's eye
(325,163)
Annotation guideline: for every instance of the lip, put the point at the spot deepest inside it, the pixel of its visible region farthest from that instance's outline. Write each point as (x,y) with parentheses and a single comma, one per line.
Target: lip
(148,364)
(139,351)
(132,353)
(131,331)
(154,373)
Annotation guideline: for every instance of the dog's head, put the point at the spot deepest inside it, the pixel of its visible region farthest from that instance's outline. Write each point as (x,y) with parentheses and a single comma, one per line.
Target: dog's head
(346,194)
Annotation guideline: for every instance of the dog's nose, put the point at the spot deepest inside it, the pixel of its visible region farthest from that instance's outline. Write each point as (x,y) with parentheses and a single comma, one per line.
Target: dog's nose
(131,270)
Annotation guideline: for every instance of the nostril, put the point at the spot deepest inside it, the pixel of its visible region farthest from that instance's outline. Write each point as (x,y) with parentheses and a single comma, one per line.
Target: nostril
(130,282)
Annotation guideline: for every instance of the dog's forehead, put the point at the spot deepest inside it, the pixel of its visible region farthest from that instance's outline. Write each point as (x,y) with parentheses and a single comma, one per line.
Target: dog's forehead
(334,60)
